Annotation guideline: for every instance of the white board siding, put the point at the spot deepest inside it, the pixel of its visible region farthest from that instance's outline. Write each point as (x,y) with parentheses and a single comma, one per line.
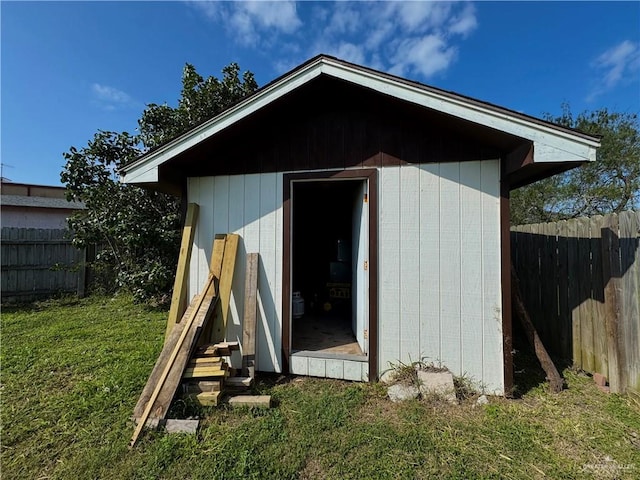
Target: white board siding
(249,205)
(450,274)
(236,224)
(409,247)
(492,356)
(471,264)
(322,366)
(429,263)
(389,267)
(439,266)
(202,189)
(452,220)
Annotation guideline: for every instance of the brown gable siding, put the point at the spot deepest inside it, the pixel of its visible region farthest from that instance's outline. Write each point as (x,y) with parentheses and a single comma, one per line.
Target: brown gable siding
(329,124)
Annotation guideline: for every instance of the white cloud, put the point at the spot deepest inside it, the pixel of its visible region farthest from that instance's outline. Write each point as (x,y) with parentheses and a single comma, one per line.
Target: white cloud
(465,22)
(420,38)
(110,98)
(424,55)
(350,52)
(211,9)
(249,21)
(420,16)
(378,36)
(344,20)
(616,65)
(615,61)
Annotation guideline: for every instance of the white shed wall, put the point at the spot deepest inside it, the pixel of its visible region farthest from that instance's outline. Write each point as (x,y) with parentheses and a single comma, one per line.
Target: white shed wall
(439,262)
(439,268)
(251,206)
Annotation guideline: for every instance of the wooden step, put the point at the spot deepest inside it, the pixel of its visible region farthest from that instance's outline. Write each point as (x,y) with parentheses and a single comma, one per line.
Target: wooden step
(261,401)
(203,372)
(205,399)
(206,351)
(216,363)
(239,382)
(217,349)
(203,360)
(202,386)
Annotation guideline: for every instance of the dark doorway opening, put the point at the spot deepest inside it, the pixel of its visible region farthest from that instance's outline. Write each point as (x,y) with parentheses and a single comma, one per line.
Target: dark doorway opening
(325,241)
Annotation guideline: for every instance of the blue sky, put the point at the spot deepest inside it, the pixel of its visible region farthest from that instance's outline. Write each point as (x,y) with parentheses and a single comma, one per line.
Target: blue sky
(70,69)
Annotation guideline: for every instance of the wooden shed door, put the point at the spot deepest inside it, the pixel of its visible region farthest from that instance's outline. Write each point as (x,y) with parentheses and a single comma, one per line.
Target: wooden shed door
(360,266)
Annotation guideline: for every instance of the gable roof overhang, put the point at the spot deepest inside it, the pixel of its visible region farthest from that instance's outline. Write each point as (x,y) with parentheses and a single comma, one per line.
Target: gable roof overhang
(539,148)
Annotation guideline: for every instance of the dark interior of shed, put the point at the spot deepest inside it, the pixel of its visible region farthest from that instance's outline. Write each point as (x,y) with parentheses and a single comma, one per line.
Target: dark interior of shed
(322,230)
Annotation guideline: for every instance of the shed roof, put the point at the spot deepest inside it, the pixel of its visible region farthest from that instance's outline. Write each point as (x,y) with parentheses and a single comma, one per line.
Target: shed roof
(544,148)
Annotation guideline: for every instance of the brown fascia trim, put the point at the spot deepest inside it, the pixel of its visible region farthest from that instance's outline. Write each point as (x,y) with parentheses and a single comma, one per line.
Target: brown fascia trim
(505,280)
(286,272)
(519,157)
(370,174)
(535,172)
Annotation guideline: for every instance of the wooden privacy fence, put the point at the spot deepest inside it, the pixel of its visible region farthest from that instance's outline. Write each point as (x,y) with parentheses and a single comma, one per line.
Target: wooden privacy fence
(38,263)
(580,281)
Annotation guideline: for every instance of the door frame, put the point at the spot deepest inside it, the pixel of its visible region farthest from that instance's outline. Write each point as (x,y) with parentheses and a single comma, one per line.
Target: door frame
(371,176)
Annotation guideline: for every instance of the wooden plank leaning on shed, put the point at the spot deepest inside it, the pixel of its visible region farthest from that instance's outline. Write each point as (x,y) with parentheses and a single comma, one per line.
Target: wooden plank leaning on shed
(167,362)
(167,373)
(250,313)
(215,331)
(556,382)
(179,295)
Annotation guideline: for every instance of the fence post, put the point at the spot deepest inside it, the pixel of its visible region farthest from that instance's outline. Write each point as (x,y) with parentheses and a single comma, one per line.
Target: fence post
(612,290)
(82,272)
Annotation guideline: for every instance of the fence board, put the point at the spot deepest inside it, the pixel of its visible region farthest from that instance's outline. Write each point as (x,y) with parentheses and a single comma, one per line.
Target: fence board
(612,294)
(564,312)
(532,285)
(573,270)
(629,324)
(37,263)
(600,356)
(548,296)
(583,291)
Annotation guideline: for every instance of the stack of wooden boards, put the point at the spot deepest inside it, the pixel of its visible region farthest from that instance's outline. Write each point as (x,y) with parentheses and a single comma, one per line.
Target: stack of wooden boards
(204,376)
(194,355)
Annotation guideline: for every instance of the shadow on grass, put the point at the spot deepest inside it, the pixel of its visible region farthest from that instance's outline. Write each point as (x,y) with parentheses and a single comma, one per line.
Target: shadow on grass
(528,373)
(62,300)
(71,300)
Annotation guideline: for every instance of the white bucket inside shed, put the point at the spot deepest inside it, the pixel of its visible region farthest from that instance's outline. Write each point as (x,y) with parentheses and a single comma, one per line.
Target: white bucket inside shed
(298,305)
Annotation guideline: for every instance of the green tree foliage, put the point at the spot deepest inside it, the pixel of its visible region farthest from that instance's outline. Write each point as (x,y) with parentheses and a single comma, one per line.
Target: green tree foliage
(138,229)
(609,185)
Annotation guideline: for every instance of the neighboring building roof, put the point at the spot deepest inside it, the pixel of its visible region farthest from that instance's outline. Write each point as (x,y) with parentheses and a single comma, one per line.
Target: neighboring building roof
(36,196)
(550,143)
(39,202)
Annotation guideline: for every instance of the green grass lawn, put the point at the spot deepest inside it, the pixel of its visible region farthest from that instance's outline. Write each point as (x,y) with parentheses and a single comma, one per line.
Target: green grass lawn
(72,371)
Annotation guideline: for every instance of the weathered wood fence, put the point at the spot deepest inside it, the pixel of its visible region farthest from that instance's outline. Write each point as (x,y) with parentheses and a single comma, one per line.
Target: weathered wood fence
(39,263)
(580,280)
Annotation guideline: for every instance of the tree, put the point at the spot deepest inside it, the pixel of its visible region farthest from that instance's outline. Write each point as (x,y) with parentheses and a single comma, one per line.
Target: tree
(609,185)
(138,229)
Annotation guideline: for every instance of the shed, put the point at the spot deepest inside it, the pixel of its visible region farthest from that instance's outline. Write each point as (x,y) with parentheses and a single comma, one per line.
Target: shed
(383,203)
